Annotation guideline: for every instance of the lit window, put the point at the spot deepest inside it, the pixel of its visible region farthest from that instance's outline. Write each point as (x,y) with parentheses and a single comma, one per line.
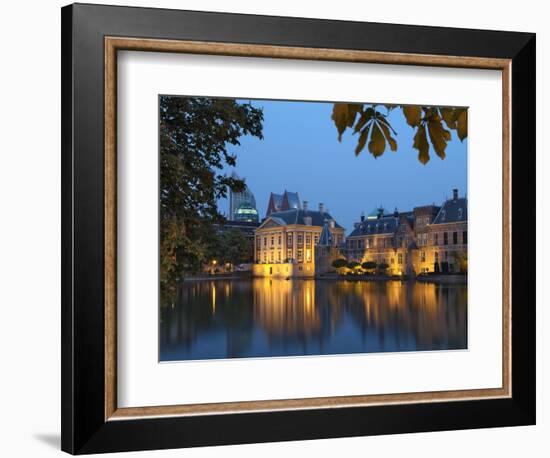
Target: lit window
(308,239)
(399,258)
(300,255)
(422,256)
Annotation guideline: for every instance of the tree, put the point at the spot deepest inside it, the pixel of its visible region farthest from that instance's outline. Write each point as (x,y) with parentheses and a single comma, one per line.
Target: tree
(374,127)
(339,263)
(194,136)
(461,261)
(234,247)
(369,265)
(382,267)
(353,265)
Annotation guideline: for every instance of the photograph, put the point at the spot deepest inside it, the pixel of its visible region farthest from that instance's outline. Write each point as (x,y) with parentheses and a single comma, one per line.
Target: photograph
(309,228)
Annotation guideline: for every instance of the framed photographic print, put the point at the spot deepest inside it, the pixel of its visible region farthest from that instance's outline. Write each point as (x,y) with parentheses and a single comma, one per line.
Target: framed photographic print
(282,228)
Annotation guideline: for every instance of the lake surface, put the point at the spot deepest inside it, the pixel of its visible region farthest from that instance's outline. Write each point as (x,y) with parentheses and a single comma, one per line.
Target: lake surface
(267,317)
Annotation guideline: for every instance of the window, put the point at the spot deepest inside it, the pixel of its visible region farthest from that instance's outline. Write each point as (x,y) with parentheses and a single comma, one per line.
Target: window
(265,256)
(436,257)
(308,239)
(436,239)
(465,237)
(455,238)
(300,255)
(399,258)
(359,243)
(271,256)
(392,261)
(289,239)
(265,241)
(460,213)
(272,240)
(300,239)
(258,242)
(308,255)
(279,255)
(445,238)
(316,239)
(279,241)
(422,256)
(289,254)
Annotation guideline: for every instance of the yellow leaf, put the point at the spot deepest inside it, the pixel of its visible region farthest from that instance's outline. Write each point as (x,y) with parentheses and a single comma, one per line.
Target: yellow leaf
(389,138)
(377,144)
(421,144)
(449,116)
(340,116)
(353,109)
(462,124)
(362,140)
(413,114)
(438,136)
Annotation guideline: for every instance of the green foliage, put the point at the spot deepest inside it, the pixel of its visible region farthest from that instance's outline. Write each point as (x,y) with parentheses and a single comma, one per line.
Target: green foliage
(339,263)
(194,135)
(369,265)
(353,265)
(232,247)
(375,130)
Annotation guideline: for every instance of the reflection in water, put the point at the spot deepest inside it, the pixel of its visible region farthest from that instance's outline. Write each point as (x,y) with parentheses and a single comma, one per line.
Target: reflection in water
(265,317)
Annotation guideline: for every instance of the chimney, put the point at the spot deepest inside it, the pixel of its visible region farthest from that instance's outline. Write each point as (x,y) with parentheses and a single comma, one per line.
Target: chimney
(331,224)
(455,194)
(362,216)
(321,208)
(304,205)
(395,213)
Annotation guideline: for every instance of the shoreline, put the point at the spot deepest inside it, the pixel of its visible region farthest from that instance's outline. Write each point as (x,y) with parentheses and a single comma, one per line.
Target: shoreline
(449,279)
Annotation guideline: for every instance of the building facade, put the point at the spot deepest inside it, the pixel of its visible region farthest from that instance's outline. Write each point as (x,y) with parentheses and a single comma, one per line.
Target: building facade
(287,240)
(242,205)
(427,239)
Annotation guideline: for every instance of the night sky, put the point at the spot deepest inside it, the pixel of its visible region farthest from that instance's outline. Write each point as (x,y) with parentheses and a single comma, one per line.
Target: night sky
(300,152)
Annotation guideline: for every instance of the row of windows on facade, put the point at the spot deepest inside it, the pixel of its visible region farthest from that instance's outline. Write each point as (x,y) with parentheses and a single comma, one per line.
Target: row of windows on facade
(273,256)
(289,240)
(401,257)
(422,240)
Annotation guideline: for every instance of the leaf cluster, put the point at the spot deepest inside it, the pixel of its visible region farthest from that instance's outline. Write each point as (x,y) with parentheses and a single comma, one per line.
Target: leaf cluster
(432,125)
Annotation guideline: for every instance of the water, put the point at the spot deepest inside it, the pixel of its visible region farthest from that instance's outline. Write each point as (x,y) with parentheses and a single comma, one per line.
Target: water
(266,317)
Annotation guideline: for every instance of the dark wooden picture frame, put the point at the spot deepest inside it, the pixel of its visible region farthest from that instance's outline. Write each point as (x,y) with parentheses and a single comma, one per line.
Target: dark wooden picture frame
(91,37)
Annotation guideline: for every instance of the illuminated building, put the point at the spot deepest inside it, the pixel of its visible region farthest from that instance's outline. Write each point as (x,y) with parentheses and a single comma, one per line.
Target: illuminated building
(427,239)
(287,240)
(242,205)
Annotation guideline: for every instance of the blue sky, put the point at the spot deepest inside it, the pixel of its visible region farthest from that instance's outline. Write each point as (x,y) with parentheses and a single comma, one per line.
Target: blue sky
(300,152)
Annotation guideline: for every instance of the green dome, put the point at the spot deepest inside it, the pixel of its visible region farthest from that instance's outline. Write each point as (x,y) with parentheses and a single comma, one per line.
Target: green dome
(246,212)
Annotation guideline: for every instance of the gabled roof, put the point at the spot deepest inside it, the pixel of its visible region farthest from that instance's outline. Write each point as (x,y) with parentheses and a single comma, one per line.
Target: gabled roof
(294,216)
(291,200)
(452,211)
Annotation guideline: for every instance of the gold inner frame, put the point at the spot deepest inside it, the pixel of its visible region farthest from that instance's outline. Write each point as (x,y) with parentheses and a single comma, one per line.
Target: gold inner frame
(114,44)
